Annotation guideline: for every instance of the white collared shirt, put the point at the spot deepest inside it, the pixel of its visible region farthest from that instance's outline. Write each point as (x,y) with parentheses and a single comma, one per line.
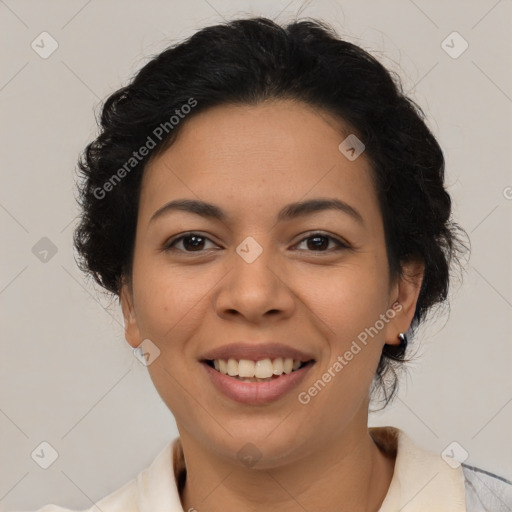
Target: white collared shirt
(422,482)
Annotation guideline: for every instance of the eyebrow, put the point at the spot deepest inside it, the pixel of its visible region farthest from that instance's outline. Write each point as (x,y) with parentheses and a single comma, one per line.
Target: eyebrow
(289,212)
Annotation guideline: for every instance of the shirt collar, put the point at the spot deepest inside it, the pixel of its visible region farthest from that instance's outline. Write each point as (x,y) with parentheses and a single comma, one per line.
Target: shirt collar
(422,481)
(157,485)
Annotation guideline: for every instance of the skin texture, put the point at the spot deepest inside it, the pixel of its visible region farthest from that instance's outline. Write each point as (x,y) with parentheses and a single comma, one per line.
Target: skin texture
(251,161)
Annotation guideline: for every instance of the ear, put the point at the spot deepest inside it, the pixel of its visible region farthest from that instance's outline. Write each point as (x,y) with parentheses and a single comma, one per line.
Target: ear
(131,328)
(403,298)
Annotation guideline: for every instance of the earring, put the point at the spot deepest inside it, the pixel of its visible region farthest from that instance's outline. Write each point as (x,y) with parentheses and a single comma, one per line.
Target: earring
(403,341)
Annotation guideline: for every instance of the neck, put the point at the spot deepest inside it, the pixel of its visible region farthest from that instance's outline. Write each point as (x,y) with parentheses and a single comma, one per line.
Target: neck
(345,473)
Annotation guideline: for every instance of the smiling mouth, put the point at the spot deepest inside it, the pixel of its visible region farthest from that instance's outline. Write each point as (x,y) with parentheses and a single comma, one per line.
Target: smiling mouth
(264,370)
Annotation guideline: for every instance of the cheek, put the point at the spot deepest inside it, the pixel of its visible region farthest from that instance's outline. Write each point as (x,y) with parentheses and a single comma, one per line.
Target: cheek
(352,301)
(351,297)
(168,299)
(168,302)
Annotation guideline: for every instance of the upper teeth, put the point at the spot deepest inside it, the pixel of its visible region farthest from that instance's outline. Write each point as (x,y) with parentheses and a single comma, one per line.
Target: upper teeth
(262,369)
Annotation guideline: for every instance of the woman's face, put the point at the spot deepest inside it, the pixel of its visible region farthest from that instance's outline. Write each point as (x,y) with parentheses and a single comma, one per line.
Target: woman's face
(317,281)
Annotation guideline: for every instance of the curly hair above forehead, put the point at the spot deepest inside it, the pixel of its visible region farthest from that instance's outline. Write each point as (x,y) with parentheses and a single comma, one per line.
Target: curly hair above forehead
(247,61)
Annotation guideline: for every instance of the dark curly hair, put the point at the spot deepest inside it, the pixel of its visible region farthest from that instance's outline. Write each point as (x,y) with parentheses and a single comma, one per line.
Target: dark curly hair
(247,61)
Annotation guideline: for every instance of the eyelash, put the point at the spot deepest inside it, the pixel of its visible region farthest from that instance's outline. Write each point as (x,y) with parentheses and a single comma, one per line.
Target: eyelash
(169,246)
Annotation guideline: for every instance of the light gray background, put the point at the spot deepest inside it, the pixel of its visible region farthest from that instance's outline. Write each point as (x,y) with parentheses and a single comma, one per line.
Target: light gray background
(67,375)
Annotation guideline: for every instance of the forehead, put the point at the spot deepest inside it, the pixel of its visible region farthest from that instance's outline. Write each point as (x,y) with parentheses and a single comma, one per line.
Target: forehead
(255,156)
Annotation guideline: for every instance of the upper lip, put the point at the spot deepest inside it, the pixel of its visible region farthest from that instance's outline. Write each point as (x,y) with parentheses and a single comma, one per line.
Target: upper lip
(256,352)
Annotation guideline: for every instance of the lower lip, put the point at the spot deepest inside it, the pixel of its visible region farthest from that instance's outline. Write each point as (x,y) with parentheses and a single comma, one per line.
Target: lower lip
(256,393)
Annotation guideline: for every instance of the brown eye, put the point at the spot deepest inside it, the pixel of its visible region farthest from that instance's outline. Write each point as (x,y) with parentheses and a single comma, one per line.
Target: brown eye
(191,242)
(195,242)
(319,242)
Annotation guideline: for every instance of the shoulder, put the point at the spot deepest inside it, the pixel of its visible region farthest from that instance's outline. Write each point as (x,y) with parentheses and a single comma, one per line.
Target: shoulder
(451,486)
(486,491)
(50,508)
(154,488)
(125,499)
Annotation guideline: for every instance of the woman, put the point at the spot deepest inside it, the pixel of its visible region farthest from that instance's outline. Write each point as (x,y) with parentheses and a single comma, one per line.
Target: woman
(270,210)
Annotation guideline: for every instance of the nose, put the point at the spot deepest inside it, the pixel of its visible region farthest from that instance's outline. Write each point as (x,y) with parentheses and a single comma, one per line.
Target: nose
(255,289)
